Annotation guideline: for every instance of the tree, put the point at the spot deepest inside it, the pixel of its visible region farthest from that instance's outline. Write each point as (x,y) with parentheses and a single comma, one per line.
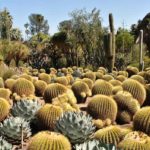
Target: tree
(84,34)
(144,25)
(15,34)
(18,52)
(5,24)
(37,23)
(39,41)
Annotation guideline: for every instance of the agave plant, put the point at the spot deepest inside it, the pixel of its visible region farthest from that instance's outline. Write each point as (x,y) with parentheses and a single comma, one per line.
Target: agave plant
(14,128)
(4,145)
(26,109)
(77,126)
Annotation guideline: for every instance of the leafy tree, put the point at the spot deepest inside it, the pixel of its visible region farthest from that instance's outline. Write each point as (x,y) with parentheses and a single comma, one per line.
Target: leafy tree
(5,24)
(39,41)
(37,23)
(144,25)
(15,34)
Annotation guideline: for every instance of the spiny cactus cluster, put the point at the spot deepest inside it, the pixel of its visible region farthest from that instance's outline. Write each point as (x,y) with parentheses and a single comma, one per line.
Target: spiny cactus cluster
(80,108)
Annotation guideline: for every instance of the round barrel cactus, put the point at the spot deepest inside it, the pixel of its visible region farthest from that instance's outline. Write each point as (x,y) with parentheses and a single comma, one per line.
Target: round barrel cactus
(4,109)
(136,89)
(48,115)
(98,105)
(23,87)
(53,90)
(47,140)
(102,87)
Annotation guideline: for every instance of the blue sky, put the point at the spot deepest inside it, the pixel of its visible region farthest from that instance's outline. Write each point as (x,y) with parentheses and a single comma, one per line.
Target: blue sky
(56,11)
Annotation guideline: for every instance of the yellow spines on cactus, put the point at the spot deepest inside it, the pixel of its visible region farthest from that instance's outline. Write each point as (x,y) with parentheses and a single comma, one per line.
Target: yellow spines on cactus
(135,140)
(4,109)
(141,120)
(136,89)
(81,90)
(5,93)
(99,75)
(26,76)
(138,78)
(132,71)
(53,90)
(102,107)
(115,82)
(62,80)
(102,87)
(91,75)
(116,89)
(65,102)
(89,82)
(40,87)
(1,83)
(48,115)
(108,77)
(23,87)
(102,69)
(124,73)
(47,140)
(109,135)
(45,77)
(9,83)
(121,78)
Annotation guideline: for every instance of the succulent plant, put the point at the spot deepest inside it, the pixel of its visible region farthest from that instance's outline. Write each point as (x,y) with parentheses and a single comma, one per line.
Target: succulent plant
(132,71)
(108,77)
(127,106)
(25,108)
(135,141)
(99,75)
(40,87)
(91,75)
(102,87)
(102,69)
(98,123)
(116,89)
(136,89)
(26,76)
(1,83)
(5,93)
(77,126)
(121,78)
(45,77)
(4,145)
(48,115)
(109,135)
(94,145)
(47,140)
(53,90)
(66,101)
(62,80)
(9,83)
(70,79)
(124,73)
(141,121)
(89,82)
(115,82)
(23,87)
(4,109)
(14,128)
(81,91)
(138,78)
(98,105)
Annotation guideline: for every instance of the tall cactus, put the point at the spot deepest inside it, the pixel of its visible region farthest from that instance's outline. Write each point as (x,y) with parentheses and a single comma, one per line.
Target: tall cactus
(112,42)
(141,63)
(109,44)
